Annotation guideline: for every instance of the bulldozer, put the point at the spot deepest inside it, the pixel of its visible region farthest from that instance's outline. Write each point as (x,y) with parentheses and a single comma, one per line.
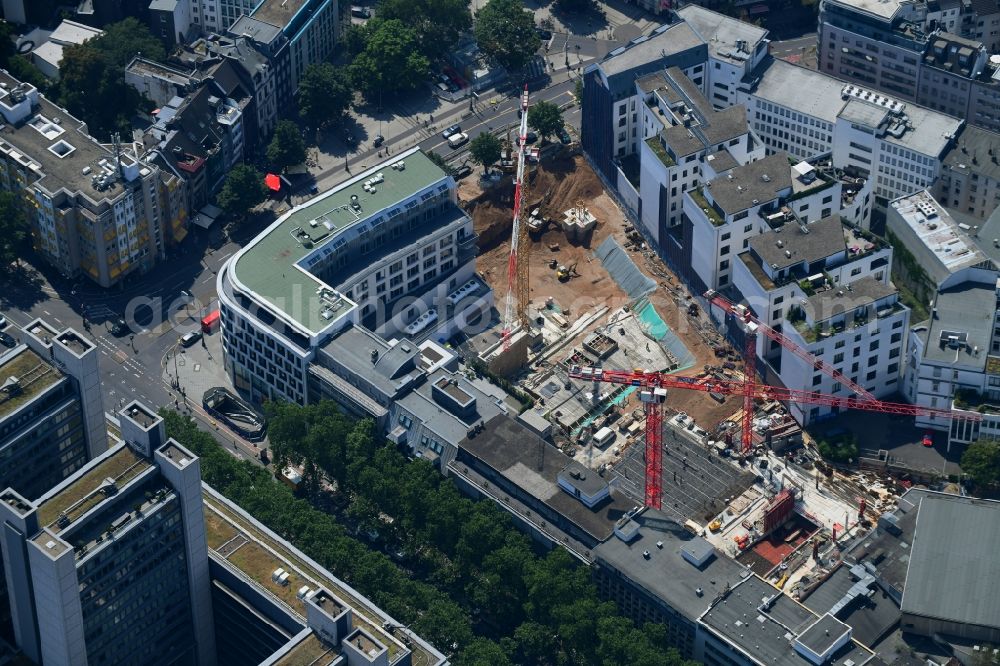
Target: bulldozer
(564,273)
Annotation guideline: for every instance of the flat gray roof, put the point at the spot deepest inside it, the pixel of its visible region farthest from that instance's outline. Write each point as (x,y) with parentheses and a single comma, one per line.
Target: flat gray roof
(861,113)
(722,32)
(784,84)
(586,480)
(666,574)
(526,460)
(975,143)
(961,310)
(759,181)
(823,633)
(953,570)
(277,12)
(439,418)
(931,133)
(861,292)
(765,634)
(393,369)
(672,40)
(825,239)
(882,9)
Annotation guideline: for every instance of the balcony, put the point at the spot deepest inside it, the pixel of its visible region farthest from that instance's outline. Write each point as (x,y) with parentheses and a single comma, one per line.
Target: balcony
(661,152)
(708,209)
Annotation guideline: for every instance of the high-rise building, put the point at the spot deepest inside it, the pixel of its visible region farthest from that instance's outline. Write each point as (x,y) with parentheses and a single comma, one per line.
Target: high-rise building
(94,211)
(51,411)
(111,566)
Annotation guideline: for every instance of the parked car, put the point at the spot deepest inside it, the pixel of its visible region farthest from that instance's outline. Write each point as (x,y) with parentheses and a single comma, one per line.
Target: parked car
(454,129)
(361,12)
(190,338)
(119,327)
(457,139)
(927,441)
(7,340)
(3,321)
(379,140)
(543,34)
(564,136)
(463,171)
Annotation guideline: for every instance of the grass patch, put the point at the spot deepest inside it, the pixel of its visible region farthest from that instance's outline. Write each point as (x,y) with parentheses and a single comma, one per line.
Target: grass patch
(661,152)
(707,208)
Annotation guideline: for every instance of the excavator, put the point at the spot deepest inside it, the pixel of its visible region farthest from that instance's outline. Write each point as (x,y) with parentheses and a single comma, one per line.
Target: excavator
(564,273)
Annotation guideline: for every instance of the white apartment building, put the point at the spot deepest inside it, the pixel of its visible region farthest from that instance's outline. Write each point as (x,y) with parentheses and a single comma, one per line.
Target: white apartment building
(680,133)
(741,202)
(218,15)
(899,145)
(388,248)
(826,287)
(735,48)
(953,358)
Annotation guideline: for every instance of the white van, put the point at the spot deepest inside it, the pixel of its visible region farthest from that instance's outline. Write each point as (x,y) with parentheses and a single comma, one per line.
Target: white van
(603,437)
(456,140)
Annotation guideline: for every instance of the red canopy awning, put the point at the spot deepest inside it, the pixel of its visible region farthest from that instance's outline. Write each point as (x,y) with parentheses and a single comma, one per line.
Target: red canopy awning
(273,182)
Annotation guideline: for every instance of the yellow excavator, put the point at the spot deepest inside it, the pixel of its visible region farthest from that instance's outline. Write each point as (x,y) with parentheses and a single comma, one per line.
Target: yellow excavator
(564,273)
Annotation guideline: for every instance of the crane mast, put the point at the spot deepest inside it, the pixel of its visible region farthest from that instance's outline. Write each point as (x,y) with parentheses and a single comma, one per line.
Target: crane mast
(516,272)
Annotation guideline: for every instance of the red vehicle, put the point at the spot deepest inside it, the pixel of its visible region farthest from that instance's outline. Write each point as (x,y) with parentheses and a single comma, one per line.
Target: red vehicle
(927,441)
(210,322)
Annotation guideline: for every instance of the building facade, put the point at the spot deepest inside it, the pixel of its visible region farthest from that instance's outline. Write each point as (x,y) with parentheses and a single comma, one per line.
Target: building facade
(111,565)
(94,211)
(388,249)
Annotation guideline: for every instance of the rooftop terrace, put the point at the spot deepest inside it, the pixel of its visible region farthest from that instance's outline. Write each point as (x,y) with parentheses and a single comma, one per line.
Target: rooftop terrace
(278,12)
(33,376)
(78,495)
(310,652)
(267,265)
(257,554)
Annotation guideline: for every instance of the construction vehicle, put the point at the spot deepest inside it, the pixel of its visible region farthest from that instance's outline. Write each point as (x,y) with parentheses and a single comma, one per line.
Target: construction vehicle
(715,525)
(564,273)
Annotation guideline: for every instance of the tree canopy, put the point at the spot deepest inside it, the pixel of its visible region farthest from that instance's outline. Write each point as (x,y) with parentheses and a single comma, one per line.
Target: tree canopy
(981,461)
(505,30)
(242,190)
(325,95)
(437,23)
(485,587)
(92,77)
(485,150)
(13,229)
(545,118)
(391,60)
(576,6)
(287,147)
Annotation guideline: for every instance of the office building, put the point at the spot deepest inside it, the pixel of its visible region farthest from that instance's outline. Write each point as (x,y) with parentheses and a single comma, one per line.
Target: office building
(94,211)
(218,15)
(753,624)
(899,146)
(388,249)
(953,358)
(272,604)
(306,30)
(826,287)
(111,566)
(51,411)
(970,176)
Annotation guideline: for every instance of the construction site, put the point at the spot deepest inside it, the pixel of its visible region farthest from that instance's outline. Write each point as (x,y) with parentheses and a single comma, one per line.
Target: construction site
(631,378)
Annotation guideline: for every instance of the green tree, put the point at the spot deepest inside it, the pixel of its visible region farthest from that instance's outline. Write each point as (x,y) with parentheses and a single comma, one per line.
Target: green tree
(485,150)
(577,6)
(325,95)
(438,23)
(482,652)
(13,229)
(440,161)
(391,61)
(505,30)
(123,41)
(545,118)
(981,461)
(92,77)
(242,190)
(287,147)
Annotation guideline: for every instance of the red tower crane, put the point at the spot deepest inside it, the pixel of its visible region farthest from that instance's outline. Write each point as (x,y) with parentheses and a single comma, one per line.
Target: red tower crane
(516,280)
(658,383)
(744,314)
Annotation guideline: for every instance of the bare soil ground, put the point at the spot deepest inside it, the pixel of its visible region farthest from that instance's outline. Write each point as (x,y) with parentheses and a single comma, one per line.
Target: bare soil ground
(556,186)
